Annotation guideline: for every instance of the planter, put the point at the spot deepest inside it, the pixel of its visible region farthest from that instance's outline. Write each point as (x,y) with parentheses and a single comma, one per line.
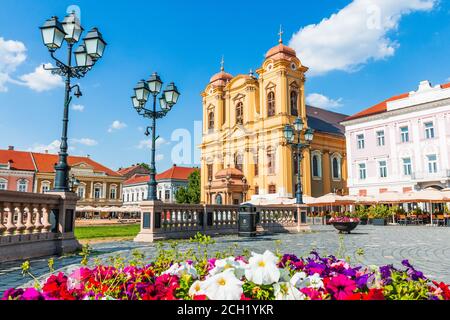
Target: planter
(379,222)
(364,221)
(345,226)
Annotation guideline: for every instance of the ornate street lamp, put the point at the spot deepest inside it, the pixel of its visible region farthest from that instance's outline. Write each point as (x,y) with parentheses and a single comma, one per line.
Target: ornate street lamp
(54,33)
(293,136)
(167,100)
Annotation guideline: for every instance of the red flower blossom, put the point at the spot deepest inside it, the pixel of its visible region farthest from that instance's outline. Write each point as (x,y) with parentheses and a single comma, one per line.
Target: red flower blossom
(200,297)
(341,287)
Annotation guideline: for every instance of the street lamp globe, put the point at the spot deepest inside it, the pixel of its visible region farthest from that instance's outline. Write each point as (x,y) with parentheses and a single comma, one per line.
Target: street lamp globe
(298,124)
(53,33)
(95,45)
(136,104)
(309,135)
(142,91)
(72,28)
(172,94)
(163,103)
(155,84)
(288,133)
(82,58)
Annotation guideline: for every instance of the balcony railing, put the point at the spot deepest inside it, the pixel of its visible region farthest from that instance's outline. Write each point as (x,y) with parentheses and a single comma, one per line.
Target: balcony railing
(427,176)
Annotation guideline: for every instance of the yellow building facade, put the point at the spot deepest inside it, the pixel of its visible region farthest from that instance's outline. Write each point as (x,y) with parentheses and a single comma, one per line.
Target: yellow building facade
(243,153)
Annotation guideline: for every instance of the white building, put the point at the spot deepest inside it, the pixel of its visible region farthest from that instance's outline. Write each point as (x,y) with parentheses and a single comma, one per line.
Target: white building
(135,189)
(401,144)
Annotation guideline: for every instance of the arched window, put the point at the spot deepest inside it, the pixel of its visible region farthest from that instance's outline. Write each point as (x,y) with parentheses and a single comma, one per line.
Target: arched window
(81,191)
(3,184)
(272,189)
(219,199)
(98,191)
(211,120)
(270,161)
(294,103)
(45,186)
(336,167)
(316,165)
(238,161)
(240,113)
(270,104)
(22,185)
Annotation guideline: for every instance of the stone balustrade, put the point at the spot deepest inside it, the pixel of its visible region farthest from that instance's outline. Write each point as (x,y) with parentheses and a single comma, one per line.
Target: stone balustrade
(161,221)
(33,225)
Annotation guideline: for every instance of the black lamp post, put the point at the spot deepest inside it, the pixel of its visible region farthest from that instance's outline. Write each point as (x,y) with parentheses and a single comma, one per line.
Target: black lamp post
(293,135)
(54,33)
(167,100)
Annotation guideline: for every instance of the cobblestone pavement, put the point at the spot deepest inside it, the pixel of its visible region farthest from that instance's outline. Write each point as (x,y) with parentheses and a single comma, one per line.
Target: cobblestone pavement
(427,248)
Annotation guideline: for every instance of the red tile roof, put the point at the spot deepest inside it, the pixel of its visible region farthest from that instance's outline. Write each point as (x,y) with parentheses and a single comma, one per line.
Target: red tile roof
(46,163)
(176,173)
(124,171)
(20,160)
(382,106)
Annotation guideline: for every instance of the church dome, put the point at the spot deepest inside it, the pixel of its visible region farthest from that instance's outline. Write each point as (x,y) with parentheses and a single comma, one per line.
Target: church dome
(281,51)
(233,173)
(221,76)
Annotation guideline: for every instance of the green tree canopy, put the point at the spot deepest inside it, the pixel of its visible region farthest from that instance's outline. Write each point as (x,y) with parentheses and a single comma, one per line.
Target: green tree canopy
(191,193)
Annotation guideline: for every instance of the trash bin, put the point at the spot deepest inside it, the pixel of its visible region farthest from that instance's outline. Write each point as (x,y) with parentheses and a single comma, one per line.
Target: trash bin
(247,220)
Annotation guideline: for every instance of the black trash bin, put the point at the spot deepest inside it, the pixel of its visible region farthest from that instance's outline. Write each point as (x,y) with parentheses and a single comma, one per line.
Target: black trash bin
(247,220)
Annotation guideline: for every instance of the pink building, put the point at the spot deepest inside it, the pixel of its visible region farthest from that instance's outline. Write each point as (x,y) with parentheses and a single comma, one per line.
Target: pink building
(17,170)
(401,144)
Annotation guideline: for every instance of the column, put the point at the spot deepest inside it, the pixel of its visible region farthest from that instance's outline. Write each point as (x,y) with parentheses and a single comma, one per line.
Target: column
(306,172)
(326,171)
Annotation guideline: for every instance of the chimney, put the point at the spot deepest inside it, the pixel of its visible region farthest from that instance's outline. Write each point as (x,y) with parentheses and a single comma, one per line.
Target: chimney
(46,151)
(11,148)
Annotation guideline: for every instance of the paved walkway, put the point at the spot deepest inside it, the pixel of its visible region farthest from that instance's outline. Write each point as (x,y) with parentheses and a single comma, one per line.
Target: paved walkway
(427,248)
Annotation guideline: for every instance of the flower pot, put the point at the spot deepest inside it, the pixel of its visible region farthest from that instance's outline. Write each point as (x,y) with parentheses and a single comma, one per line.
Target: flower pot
(345,226)
(379,222)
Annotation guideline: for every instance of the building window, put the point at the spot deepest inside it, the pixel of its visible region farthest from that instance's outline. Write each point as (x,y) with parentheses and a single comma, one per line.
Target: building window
(380,138)
(45,187)
(22,185)
(404,134)
(81,191)
(383,169)
(294,103)
(432,163)
(256,164)
(407,168)
(240,113)
(238,161)
(336,166)
(98,192)
(360,139)
(362,171)
(272,189)
(270,161)
(113,193)
(429,130)
(316,166)
(256,190)
(271,104)
(3,184)
(167,195)
(211,120)
(160,195)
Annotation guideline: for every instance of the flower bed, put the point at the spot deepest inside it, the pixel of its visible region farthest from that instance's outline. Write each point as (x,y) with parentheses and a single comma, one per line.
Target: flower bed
(344,219)
(253,277)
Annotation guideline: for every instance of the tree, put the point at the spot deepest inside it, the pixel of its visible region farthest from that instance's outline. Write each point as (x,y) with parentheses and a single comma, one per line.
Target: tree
(191,193)
(145,165)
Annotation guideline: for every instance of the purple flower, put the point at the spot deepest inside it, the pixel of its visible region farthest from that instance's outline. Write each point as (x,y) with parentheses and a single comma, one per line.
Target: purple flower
(361,281)
(413,273)
(386,272)
(12,294)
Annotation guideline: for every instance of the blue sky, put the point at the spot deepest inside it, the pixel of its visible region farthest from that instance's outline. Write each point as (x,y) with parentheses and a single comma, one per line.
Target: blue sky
(368,51)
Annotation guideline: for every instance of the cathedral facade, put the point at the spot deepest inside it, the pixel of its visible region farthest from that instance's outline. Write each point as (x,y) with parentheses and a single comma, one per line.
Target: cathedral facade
(243,150)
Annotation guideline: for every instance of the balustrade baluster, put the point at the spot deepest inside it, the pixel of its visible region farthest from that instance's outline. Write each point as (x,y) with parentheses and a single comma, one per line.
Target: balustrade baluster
(46,219)
(37,223)
(2,226)
(20,226)
(29,225)
(10,225)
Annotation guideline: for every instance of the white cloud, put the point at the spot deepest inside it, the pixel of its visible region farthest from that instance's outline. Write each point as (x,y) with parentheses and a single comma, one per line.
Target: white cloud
(42,80)
(85,141)
(357,34)
(147,144)
(320,101)
(116,125)
(78,107)
(159,157)
(12,54)
(53,147)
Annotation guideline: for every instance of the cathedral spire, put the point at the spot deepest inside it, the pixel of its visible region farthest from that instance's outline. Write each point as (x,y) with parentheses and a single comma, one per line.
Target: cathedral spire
(222,64)
(281,34)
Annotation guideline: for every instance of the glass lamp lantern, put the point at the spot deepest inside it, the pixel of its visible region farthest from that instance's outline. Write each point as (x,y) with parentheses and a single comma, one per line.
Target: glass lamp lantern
(298,124)
(142,91)
(136,104)
(288,133)
(163,103)
(72,28)
(172,94)
(95,45)
(309,135)
(155,84)
(82,58)
(53,33)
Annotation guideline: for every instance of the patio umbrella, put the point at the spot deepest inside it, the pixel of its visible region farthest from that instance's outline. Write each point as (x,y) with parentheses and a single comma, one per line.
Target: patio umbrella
(333,199)
(428,195)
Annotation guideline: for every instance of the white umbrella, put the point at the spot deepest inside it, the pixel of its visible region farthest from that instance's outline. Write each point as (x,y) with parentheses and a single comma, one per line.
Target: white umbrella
(428,195)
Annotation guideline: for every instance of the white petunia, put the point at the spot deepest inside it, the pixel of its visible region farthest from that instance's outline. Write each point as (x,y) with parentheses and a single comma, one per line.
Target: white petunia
(262,269)
(298,280)
(229,263)
(286,291)
(181,269)
(315,281)
(223,286)
(197,289)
